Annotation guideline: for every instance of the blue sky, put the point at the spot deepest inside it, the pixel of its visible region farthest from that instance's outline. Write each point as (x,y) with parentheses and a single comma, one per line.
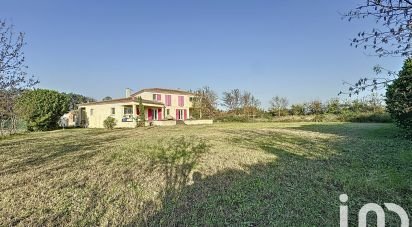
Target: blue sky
(296,49)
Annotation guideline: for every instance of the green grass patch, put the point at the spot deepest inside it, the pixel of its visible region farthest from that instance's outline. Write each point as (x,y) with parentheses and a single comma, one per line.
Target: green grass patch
(248,174)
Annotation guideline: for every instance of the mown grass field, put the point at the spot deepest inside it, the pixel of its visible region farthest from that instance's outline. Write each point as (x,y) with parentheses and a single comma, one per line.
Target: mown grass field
(227,174)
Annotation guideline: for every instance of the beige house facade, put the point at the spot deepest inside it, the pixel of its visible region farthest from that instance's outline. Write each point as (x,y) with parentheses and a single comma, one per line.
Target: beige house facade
(161,106)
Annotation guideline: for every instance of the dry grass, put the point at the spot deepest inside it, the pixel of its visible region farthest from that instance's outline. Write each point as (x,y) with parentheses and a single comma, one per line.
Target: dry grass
(247,174)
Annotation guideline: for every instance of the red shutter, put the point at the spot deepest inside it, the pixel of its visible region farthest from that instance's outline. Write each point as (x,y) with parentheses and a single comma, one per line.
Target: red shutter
(177,114)
(159,113)
(185,115)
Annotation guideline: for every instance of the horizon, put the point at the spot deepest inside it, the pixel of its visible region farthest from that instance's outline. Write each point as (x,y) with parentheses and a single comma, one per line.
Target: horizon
(256,46)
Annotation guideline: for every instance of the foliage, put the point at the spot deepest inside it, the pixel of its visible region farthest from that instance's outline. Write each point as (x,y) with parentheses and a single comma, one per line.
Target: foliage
(232,100)
(204,103)
(241,102)
(367,117)
(140,122)
(393,36)
(41,108)
(232,118)
(249,104)
(278,105)
(399,97)
(109,123)
(107,98)
(315,107)
(297,109)
(333,106)
(76,99)
(13,77)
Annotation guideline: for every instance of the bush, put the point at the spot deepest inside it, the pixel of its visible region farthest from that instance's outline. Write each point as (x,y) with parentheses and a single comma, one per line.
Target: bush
(41,109)
(348,116)
(109,123)
(399,98)
(232,118)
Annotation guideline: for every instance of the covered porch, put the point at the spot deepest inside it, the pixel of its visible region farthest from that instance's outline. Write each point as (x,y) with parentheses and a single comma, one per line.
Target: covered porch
(153,112)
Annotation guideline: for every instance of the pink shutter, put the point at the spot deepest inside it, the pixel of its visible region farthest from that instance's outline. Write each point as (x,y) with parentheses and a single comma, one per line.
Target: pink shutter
(168,100)
(150,114)
(159,97)
(185,115)
(181,101)
(160,116)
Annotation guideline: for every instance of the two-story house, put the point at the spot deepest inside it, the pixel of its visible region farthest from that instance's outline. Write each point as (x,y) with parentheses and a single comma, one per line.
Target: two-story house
(161,107)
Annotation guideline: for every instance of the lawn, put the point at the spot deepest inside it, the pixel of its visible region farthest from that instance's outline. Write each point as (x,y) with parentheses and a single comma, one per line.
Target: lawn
(245,174)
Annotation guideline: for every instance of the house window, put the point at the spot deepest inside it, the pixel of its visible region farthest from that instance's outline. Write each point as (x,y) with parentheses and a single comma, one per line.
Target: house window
(191,99)
(113,111)
(157,97)
(91,112)
(168,100)
(168,112)
(128,110)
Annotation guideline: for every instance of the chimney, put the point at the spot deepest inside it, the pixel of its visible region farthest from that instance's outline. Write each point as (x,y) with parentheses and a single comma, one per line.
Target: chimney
(128,92)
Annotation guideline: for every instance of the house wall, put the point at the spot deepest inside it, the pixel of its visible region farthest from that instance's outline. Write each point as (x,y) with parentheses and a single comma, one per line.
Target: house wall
(102,111)
(174,104)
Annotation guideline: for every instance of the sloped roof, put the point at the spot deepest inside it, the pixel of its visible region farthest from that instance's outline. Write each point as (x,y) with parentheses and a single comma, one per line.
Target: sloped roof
(163,90)
(122,100)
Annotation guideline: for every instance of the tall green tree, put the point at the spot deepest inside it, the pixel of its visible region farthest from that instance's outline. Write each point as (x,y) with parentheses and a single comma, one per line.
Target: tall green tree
(142,116)
(41,108)
(76,99)
(399,97)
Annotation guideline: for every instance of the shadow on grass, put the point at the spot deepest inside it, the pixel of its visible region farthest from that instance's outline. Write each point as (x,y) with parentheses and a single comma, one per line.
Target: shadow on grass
(42,150)
(300,187)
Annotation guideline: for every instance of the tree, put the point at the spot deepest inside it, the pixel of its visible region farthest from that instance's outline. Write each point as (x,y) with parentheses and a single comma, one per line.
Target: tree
(232,100)
(41,108)
(399,98)
(205,102)
(107,98)
(374,103)
(297,109)
(142,116)
(333,106)
(249,104)
(315,107)
(393,36)
(13,77)
(278,104)
(76,99)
